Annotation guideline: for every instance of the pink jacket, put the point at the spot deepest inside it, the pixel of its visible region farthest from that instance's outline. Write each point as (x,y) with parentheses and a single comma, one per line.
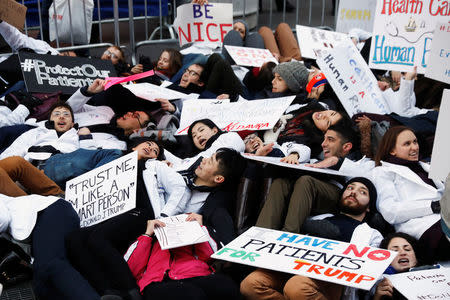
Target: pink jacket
(149,263)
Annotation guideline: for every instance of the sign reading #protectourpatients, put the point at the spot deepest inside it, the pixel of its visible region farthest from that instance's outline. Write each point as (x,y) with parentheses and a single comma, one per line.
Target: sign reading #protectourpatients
(343,263)
(104,192)
(403,33)
(355,14)
(439,63)
(203,23)
(51,73)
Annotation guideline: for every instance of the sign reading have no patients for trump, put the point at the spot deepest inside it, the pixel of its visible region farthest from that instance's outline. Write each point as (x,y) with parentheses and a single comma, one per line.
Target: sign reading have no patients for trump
(104,192)
(324,259)
(203,23)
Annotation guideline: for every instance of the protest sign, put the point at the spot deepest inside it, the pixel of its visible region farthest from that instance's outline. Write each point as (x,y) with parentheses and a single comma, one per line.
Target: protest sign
(250,57)
(203,23)
(351,79)
(310,39)
(151,92)
(403,33)
(440,160)
(354,265)
(428,284)
(104,192)
(13,13)
(52,73)
(438,67)
(355,14)
(242,115)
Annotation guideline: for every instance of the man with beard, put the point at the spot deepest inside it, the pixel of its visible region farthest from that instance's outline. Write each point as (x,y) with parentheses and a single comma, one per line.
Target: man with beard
(357,200)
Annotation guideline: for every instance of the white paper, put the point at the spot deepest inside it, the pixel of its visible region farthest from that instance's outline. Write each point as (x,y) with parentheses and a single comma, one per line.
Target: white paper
(438,67)
(310,39)
(250,57)
(151,92)
(355,14)
(440,158)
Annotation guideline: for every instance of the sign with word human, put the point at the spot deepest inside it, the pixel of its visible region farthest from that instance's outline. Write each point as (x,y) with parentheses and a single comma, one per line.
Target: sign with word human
(235,116)
(439,63)
(428,284)
(310,39)
(52,73)
(343,263)
(250,57)
(104,192)
(355,14)
(13,13)
(203,23)
(440,160)
(352,80)
(403,33)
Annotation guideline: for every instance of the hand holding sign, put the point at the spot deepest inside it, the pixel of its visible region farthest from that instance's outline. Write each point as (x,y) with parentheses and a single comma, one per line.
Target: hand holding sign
(151,224)
(97,86)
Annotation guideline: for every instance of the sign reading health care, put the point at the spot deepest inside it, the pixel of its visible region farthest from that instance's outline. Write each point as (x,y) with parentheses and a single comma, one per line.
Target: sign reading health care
(343,263)
(203,23)
(439,64)
(310,39)
(250,57)
(352,80)
(355,14)
(403,32)
(104,192)
(237,116)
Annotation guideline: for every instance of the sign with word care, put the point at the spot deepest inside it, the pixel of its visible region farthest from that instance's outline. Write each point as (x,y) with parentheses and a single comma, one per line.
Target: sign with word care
(236,116)
(440,160)
(355,14)
(203,23)
(403,33)
(45,73)
(343,263)
(250,57)
(105,192)
(310,39)
(438,67)
(352,80)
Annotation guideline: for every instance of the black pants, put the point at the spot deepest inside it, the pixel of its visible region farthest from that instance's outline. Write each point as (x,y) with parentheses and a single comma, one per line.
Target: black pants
(97,251)
(214,287)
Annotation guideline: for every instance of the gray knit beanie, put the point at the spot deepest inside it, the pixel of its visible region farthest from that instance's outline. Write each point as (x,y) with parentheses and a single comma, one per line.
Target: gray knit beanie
(294,73)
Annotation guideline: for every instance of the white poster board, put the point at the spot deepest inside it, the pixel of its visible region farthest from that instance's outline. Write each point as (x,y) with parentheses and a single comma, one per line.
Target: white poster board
(236,116)
(439,63)
(352,80)
(203,23)
(403,33)
(104,192)
(355,14)
(310,39)
(440,160)
(151,92)
(250,57)
(343,263)
(428,284)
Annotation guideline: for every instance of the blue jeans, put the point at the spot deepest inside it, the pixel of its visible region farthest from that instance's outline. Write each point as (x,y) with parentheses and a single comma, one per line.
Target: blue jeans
(65,166)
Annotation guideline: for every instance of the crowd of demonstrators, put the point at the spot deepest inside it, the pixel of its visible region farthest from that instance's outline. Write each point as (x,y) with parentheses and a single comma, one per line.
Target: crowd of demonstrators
(385,191)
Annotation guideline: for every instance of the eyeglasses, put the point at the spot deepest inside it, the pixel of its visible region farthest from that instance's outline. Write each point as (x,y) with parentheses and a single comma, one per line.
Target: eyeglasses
(249,137)
(107,52)
(138,118)
(65,114)
(191,72)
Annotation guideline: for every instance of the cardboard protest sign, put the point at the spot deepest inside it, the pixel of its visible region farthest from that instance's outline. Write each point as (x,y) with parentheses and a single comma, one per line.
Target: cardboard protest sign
(438,67)
(104,192)
(13,13)
(440,160)
(52,73)
(310,39)
(343,263)
(403,33)
(203,23)
(250,57)
(151,92)
(242,115)
(428,284)
(352,80)
(355,14)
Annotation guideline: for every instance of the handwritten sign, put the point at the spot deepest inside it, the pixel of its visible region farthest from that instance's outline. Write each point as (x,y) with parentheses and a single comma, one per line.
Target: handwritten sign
(428,284)
(51,73)
(203,23)
(440,160)
(352,80)
(151,92)
(439,64)
(104,192)
(250,57)
(237,116)
(403,32)
(324,259)
(13,13)
(310,39)
(355,14)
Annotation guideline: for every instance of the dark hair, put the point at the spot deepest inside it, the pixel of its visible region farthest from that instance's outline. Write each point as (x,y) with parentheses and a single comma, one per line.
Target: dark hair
(139,140)
(122,54)
(388,142)
(175,60)
(231,165)
(204,75)
(206,122)
(417,247)
(64,105)
(346,132)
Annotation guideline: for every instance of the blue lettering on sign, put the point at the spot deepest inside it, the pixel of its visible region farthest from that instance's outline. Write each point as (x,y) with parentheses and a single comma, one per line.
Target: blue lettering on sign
(197,11)
(385,54)
(426,49)
(308,241)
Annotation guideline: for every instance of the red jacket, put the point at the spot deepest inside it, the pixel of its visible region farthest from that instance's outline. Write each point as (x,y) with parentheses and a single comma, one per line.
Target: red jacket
(149,263)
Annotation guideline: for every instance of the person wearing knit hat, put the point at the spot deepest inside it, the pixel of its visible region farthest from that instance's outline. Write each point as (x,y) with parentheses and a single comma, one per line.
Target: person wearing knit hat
(290,76)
